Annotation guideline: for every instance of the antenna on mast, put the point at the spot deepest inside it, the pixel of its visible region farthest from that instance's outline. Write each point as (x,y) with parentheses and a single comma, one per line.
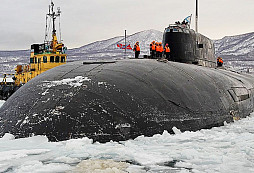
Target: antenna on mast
(54,44)
(59,12)
(53,15)
(196,16)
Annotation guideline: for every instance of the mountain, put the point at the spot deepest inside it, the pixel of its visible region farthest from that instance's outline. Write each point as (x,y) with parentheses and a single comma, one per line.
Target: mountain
(239,45)
(108,48)
(10,59)
(237,51)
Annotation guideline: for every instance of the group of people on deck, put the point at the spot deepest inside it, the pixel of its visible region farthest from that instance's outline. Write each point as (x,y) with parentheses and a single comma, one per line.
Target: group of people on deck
(156,50)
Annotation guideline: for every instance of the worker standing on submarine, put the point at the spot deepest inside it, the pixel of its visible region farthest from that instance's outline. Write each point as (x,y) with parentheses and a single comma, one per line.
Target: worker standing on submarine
(152,49)
(219,62)
(157,49)
(161,49)
(151,44)
(136,49)
(167,51)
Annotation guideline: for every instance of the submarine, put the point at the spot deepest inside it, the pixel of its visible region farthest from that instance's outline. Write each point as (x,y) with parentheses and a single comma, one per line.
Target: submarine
(118,100)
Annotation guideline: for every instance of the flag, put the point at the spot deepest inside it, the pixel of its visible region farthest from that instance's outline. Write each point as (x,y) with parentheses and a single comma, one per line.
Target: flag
(129,47)
(119,45)
(122,46)
(188,19)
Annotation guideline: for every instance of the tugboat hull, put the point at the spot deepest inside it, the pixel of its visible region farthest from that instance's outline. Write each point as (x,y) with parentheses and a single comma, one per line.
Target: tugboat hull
(121,100)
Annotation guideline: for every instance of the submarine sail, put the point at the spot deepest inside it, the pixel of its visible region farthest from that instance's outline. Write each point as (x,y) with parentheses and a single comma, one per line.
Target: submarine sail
(189,46)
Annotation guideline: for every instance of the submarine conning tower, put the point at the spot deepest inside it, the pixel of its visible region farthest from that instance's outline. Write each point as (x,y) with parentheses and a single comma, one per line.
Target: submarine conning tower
(188,46)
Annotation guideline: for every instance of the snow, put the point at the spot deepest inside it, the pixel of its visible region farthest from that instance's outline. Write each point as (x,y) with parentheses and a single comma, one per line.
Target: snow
(75,82)
(108,48)
(1,102)
(235,45)
(221,149)
(7,80)
(176,131)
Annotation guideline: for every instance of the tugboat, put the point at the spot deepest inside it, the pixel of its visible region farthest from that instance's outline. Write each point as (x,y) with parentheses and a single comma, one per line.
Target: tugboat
(43,57)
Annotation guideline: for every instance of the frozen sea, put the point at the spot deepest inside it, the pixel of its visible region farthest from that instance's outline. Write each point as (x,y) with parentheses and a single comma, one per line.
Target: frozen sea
(225,149)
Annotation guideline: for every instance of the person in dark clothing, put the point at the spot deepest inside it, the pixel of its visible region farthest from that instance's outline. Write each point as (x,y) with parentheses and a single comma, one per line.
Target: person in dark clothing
(136,49)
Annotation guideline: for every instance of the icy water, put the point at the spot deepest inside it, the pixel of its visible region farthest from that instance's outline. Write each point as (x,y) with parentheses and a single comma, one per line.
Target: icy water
(222,149)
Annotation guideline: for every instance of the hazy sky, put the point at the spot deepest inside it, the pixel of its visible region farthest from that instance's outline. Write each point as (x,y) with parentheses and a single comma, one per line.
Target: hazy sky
(22,22)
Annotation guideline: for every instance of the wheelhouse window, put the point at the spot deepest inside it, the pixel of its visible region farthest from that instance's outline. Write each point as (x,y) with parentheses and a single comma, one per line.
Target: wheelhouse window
(31,60)
(52,59)
(200,46)
(44,59)
(62,58)
(35,60)
(57,58)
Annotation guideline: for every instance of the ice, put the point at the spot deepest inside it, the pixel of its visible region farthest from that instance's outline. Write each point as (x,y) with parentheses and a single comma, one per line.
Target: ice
(65,159)
(7,136)
(16,154)
(38,167)
(221,149)
(1,103)
(176,130)
(101,166)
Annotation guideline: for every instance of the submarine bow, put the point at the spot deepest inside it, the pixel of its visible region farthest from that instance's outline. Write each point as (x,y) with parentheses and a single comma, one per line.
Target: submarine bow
(122,99)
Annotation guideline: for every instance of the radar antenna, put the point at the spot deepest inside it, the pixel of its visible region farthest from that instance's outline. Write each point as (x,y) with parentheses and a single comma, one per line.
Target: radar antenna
(52,15)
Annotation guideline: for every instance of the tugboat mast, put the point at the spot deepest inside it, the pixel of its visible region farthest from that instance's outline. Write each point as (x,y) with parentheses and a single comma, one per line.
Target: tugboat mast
(53,15)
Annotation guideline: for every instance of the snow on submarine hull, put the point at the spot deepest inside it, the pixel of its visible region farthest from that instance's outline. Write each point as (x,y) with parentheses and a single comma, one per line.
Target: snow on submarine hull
(122,99)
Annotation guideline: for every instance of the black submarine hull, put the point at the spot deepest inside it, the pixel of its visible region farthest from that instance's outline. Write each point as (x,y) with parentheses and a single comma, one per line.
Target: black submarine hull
(123,99)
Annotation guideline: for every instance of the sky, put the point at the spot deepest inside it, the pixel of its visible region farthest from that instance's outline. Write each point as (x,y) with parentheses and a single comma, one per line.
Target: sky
(22,22)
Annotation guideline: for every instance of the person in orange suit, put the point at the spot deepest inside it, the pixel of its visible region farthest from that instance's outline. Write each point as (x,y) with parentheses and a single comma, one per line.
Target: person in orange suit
(167,51)
(136,49)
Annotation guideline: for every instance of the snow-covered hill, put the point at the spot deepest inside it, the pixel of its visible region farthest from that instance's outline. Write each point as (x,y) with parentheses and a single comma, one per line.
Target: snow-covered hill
(144,37)
(108,48)
(234,49)
(239,45)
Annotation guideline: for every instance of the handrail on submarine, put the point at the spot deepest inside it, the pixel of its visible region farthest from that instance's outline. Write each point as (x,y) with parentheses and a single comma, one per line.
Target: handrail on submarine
(183,26)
